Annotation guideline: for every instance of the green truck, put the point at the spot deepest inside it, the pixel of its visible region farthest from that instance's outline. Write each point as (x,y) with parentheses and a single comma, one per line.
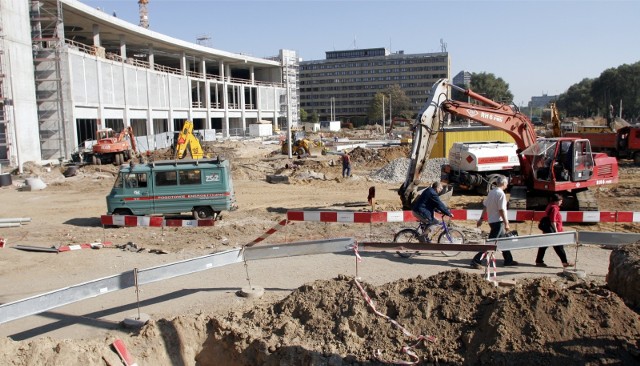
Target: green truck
(202,187)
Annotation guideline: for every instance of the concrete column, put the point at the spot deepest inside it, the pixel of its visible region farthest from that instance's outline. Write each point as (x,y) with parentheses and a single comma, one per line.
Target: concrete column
(183,63)
(123,47)
(221,68)
(151,57)
(96,35)
(253,76)
(227,72)
(203,68)
(150,131)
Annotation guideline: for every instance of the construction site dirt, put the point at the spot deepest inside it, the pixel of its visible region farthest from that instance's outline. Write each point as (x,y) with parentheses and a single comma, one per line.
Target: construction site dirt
(313,311)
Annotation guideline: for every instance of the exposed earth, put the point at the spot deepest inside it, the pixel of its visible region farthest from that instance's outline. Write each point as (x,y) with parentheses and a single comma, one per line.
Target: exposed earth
(313,312)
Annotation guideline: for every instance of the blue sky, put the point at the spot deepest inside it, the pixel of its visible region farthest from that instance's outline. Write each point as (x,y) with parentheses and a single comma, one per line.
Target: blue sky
(537,47)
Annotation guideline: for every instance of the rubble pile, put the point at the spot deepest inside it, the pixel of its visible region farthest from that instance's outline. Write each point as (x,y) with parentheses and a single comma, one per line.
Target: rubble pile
(396,171)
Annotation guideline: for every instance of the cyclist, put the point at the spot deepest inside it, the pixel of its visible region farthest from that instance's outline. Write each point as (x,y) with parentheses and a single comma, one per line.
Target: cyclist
(427,203)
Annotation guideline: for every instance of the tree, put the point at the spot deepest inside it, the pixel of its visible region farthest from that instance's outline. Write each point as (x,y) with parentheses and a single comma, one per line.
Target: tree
(592,97)
(577,100)
(394,95)
(491,87)
(303,115)
(314,117)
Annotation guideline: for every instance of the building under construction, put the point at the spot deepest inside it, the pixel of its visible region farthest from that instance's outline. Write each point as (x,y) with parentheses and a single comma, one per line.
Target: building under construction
(67,69)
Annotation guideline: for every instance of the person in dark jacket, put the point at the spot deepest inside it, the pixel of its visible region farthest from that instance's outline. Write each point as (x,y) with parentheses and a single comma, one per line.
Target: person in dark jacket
(428,202)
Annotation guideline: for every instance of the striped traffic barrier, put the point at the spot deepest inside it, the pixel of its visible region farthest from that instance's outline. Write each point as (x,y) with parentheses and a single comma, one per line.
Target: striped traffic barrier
(407,216)
(153,221)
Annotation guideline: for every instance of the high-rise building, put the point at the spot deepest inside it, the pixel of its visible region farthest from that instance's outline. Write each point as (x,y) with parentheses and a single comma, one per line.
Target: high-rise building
(345,82)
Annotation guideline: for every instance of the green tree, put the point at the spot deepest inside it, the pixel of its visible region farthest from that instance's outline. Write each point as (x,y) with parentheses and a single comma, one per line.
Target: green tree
(314,117)
(303,115)
(592,97)
(394,95)
(577,100)
(492,87)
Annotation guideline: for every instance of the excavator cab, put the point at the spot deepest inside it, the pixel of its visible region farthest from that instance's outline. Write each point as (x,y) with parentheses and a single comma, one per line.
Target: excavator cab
(561,160)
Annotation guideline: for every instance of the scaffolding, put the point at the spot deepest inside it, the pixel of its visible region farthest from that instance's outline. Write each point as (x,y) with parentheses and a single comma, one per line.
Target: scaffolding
(47,37)
(4,102)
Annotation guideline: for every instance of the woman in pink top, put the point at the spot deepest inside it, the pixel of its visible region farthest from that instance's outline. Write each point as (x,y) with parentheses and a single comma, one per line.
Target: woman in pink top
(553,212)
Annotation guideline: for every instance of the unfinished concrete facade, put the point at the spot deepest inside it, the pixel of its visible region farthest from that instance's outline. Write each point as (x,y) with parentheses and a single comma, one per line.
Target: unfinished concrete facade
(69,69)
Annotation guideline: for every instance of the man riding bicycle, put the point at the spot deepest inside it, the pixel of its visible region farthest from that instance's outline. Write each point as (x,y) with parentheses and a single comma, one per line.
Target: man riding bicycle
(429,201)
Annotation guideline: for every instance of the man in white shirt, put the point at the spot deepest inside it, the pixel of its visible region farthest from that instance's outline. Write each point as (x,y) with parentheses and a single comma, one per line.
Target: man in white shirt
(495,207)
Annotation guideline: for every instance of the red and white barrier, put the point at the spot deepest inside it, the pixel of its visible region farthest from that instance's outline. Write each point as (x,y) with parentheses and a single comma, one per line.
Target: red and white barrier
(407,216)
(155,221)
(68,248)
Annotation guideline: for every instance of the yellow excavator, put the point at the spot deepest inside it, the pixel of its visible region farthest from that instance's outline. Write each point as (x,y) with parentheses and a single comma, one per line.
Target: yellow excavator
(185,139)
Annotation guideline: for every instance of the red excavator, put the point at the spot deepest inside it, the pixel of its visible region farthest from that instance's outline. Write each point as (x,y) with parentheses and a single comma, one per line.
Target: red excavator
(561,165)
(113,148)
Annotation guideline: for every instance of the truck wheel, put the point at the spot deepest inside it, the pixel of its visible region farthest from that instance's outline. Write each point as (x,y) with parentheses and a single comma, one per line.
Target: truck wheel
(636,158)
(96,160)
(301,151)
(116,159)
(122,211)
(202,213)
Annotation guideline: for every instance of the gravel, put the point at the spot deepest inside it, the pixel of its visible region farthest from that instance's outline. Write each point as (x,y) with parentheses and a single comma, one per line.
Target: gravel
(396,171)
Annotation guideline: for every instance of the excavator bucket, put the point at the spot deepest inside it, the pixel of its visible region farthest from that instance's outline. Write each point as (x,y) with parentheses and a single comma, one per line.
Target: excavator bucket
(425,132)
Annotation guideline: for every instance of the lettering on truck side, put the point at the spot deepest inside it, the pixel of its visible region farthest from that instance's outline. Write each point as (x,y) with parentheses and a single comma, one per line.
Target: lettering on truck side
(180,196)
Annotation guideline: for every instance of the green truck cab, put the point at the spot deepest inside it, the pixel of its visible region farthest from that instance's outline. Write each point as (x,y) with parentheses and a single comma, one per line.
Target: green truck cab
(203,187)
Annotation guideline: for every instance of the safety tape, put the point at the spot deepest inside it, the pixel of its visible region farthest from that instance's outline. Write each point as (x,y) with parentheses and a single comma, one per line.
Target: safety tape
(490,256)
(268,233)
(356,252)
(408,350)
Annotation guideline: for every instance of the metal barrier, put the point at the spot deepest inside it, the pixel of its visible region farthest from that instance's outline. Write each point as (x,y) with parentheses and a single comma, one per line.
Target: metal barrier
(50,300)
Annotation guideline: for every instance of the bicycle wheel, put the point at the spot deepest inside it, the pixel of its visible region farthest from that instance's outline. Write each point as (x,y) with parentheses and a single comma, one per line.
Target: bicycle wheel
(455,237)
(408,236)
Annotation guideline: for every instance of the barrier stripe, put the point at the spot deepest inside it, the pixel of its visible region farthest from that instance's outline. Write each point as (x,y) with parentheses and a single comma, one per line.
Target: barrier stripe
(154,221)
(470,215)
(268,233)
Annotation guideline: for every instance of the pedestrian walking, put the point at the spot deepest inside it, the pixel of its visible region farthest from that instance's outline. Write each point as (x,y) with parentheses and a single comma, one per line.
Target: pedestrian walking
(495,207)
(553,213)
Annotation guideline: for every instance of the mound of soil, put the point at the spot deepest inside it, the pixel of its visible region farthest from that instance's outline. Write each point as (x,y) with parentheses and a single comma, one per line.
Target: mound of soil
(624,274)
(329,322)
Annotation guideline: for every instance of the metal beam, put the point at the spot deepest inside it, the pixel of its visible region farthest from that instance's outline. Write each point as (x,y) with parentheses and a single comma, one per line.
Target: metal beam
(535,241)
(50,300)
(604,238)
(467,247)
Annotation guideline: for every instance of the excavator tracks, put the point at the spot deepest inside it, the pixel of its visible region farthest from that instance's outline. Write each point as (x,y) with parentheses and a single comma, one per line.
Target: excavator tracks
(518,198)
(587,201)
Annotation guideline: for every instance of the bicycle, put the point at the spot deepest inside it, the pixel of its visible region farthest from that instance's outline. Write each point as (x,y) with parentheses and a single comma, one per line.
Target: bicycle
(424,234)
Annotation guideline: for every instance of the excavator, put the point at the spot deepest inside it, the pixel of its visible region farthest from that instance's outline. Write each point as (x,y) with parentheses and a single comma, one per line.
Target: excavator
(110,147)
(561,165)
(186,139)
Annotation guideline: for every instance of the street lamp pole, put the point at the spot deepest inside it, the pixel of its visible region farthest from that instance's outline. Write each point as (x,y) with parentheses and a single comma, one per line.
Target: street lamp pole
(383,123)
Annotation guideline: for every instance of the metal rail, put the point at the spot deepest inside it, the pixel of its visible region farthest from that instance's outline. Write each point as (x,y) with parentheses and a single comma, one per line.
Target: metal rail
(64,296)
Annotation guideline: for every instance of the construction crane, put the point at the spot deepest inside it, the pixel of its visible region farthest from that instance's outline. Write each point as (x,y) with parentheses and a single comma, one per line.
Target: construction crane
(144,13)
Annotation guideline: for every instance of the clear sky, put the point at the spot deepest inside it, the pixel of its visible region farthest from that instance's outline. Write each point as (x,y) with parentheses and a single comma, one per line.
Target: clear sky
(537,47)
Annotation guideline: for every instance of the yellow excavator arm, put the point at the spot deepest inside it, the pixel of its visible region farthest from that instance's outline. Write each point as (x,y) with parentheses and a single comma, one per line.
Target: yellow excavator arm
(187,139)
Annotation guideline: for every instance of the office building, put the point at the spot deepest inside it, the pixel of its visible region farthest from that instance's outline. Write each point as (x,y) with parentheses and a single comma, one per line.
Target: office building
(345,82)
